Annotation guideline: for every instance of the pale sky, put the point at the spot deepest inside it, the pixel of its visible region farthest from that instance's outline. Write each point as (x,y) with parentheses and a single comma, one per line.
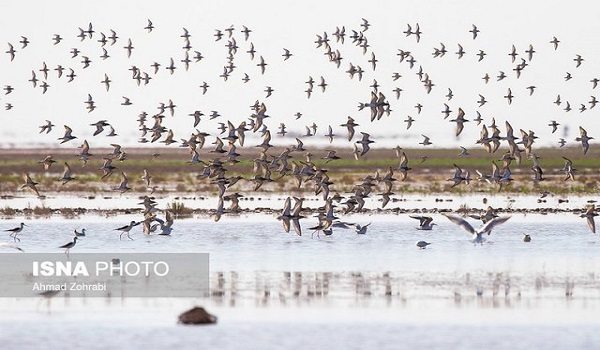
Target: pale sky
(294,25)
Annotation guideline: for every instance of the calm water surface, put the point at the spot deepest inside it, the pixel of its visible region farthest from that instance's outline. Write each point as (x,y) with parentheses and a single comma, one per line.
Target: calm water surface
(271,289)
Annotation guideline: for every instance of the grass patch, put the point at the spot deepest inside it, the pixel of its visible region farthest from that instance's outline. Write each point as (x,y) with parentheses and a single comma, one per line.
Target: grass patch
(179,209)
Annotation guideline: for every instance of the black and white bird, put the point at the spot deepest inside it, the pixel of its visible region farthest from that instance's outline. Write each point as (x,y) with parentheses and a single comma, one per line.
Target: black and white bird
(15,231)
(69,245)
(126,228)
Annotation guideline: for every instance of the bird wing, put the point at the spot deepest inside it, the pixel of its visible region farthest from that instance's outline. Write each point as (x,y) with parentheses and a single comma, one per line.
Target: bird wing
(67,172)
(297,227)
(461,222)
(286,207)
(489,226)
(591,223)
(426,221)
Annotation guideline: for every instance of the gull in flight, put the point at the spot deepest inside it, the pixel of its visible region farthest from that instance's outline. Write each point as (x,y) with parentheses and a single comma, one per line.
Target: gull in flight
(477,234)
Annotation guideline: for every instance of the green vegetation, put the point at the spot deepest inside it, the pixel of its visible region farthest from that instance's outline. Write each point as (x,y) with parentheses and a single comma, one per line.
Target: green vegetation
(172,173)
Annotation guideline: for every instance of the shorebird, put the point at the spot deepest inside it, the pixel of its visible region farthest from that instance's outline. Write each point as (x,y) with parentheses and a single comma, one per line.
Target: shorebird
(458,176)
(422,244)
(526,238)
(361,230)
(364,142)
(487,216)
(69,245)
(125,229)
(149,27)
(46,127)
(474,31)
(425,141)
(68,135)
(66,177)
(568,169)
(15,231)
(123,185)
(425,222)
(350,124)
(79,234)
(555,42)
(509,96)
(477,234)
(11,51)
(403,167)
(99,126)
(47,162)
(166,225)
(330,135)
(459,120)
(584,139)
(589,214)
(286,216)
(29,183)
(562,142)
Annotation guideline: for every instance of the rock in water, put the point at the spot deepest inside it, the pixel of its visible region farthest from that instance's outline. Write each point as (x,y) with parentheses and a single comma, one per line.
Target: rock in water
(197,315)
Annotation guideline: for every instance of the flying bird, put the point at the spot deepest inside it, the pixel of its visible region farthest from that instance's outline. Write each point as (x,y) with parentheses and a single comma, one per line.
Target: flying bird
(477,234)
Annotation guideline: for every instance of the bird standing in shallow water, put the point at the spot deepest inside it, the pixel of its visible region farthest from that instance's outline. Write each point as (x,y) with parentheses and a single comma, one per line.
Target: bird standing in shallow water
(69,245)
(15,231)
(125,229)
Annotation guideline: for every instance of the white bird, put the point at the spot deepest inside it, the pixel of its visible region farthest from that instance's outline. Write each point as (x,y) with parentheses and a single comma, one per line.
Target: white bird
(477,234)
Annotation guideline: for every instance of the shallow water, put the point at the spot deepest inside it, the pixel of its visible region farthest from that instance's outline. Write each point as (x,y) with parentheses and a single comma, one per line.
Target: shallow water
(278,290)
(267,200)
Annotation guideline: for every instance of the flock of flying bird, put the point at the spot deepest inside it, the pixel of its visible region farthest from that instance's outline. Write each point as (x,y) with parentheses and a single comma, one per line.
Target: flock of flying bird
(269,167)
